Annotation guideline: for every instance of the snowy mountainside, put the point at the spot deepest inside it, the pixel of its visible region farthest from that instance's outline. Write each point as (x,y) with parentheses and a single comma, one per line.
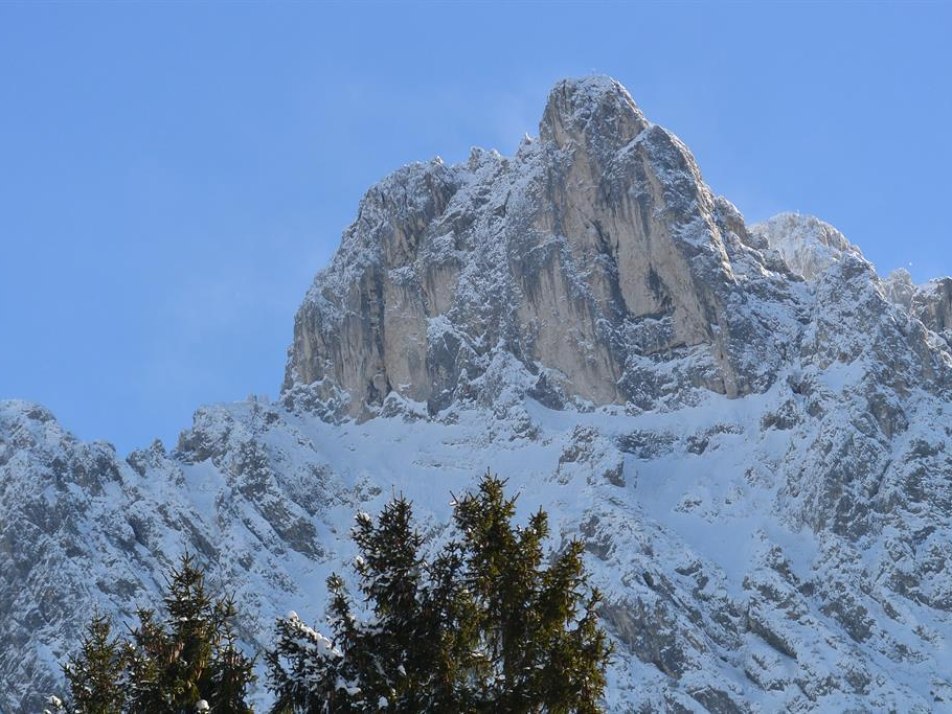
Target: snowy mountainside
(748,427)
(931,303)
(807,245)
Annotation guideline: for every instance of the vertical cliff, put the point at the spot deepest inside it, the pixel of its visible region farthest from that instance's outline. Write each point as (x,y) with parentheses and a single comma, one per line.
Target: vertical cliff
(596,257)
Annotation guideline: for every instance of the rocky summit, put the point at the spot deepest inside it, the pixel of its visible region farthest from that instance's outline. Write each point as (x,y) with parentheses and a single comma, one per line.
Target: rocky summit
(596,258)
(747,425)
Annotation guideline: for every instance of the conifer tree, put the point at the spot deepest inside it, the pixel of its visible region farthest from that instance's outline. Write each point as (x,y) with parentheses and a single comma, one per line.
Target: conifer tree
(178,663)
(94,675)
(388,666)
(484,627)
(537,625)
(191,656)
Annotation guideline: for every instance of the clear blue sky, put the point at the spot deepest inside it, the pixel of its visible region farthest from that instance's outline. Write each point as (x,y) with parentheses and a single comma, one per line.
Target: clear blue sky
(173,174)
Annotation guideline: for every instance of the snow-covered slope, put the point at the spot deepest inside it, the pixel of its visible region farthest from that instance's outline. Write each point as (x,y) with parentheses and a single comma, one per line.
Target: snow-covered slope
(807,245)
(749,429)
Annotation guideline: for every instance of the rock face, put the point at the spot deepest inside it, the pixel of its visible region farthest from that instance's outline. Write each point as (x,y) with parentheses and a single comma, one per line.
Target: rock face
(931,303)
(82,529)
(749,428)
(807,245)
(596,257)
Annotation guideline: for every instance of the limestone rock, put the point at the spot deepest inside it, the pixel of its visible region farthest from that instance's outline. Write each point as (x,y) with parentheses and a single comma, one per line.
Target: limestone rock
(596,256)
(807,245)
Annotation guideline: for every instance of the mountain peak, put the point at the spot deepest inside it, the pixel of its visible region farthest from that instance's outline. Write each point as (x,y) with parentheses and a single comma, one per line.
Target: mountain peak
(591,106)
(587,262)
(807,245)
(23,411)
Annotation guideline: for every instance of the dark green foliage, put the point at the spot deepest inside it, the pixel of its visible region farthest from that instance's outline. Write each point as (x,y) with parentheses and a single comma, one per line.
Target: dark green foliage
(537,624)
(487,626)
(398,661)
(94,675)
(167,665)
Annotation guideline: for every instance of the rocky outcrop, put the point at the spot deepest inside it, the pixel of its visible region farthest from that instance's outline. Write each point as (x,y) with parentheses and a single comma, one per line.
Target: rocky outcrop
(807,245)
(83,530)
(930,303)
(596,256)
